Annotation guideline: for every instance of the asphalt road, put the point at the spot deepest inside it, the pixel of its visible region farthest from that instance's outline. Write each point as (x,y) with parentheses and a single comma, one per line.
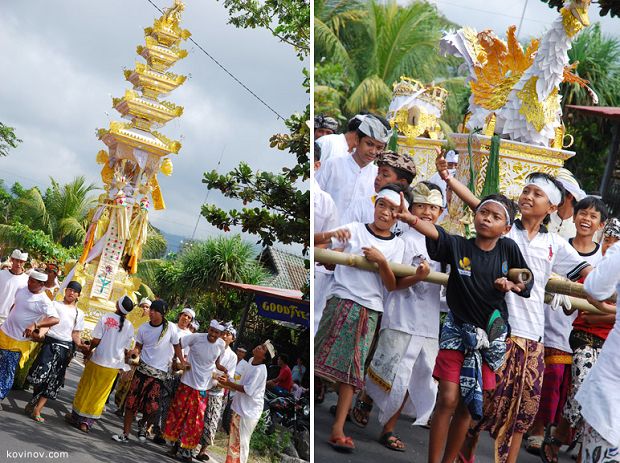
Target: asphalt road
(24,440)
(368,449)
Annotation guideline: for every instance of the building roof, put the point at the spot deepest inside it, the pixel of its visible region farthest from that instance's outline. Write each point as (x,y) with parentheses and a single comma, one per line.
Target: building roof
(288,270)
(288,294)
(607,112)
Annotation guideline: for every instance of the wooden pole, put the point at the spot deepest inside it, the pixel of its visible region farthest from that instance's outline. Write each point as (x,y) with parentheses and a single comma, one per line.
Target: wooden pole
(574,290)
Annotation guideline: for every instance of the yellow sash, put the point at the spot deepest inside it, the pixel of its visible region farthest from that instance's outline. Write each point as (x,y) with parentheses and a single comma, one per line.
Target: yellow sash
(13,345)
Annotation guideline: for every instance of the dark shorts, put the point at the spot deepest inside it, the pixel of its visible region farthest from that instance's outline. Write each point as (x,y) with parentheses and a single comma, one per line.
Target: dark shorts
(448,368)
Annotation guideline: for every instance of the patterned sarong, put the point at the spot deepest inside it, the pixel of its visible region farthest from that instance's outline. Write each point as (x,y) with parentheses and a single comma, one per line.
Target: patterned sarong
(343,340)
(514,404)
(212,419)
(391,349)
(8,364)
(555,386)
(144,392)
(186,417)
(464,339)
(596,449)
(241,430)
(47,374)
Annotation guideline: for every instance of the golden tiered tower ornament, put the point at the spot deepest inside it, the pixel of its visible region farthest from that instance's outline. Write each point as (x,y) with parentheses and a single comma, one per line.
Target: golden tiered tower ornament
(135,154)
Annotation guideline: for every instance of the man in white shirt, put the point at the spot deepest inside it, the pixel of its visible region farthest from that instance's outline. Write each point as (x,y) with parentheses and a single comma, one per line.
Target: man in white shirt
(226,364)
(32,310)
(340,144)
(349,177)
(324,125)
(11,280)
(157,343)
(248,402)
(185,421)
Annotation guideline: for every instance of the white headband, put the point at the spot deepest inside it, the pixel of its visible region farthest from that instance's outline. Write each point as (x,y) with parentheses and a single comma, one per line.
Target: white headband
(500,204)
(120,306)
(39,276)
(216,325)
(145,300)
(270,348)
(189,311)
(422,194)
(451,156)
(391,196)
(195,325)
(551,190)
(17,254)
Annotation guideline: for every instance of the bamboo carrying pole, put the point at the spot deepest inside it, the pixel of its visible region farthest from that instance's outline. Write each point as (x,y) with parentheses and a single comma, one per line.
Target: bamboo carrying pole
(575,291)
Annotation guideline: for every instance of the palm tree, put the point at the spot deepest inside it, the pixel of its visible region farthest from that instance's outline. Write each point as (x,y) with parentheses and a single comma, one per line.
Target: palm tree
(61,212)
(376,43)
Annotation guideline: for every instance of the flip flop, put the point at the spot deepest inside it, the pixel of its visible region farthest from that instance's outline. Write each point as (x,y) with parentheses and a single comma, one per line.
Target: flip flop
(462,458)
(390,440)
(548,443)
(361,409)
(38,418)
(342,444)
(533,445)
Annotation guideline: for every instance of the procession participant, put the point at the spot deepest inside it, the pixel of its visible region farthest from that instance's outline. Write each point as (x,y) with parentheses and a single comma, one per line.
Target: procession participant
(171,383)
(340,144)
(589,330)
(598,395)
(472,343)
(156,344)
(400,375)
(242,363)
(31,311)
(11,280)
(185,422)
(611,234)
(348,325)
(511,409)
(51,285)
(298,371)
(248,402)
(47,374)
(283,383)
(352,176)
(562,221)
(393,167)
(194,326)
(324,125)
(104,356)
(124,378)
(227,364)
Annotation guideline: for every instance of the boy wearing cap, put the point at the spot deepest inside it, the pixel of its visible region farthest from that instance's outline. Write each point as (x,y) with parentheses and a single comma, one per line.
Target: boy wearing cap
(11,280)
(156,343)
(185,422)
(511,410)
(227,364)
(349,177)
(47,374)
(248,402)
(324,125)
(32,310)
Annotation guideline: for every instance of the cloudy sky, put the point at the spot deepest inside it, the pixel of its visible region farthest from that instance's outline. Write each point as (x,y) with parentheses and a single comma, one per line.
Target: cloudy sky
(63,62)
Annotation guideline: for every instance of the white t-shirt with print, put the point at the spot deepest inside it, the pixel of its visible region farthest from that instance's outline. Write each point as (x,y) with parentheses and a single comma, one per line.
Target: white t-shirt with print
(414,310)
(110,352)
(29,308)
(9,284)
(229,361)
(157,352)
(545,253)
(333,146)
(202,357)
(343,179)
(71,319)
(361,286)
(249,404)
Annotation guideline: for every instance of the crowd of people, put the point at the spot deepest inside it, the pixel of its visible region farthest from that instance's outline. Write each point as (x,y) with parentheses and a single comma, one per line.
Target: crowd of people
(177,379)
(505,357)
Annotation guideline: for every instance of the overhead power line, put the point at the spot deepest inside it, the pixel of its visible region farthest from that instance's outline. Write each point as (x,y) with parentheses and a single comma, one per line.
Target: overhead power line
(201,48)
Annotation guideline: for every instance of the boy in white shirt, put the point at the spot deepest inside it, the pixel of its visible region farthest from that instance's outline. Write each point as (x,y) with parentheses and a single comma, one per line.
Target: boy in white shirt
(348,325)
(340,144)
(157,343)
(11,280)
(185,421)
(31,311)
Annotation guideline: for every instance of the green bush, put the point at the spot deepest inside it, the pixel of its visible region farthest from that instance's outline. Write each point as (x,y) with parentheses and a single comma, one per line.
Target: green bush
(270,445)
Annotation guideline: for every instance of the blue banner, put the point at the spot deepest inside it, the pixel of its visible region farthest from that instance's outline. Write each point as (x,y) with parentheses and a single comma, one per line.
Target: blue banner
(276,308)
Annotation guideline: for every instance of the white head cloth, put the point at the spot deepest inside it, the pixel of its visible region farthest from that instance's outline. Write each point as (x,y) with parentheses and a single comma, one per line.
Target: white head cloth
(452,156)
(195,325)
(422,194)
(499,204)
(570,184)
(216,325)
(39,276)
(228,327)
(391,196)
(270,348)
(553,193)
(120,306)
(374,128)
(19,255)
(145,300)
(189,311)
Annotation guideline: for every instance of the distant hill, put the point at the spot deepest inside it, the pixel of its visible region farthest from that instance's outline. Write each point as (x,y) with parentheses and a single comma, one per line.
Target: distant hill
(174,241)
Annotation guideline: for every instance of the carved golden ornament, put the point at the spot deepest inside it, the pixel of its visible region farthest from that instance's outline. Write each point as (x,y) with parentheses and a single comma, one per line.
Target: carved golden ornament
(166,29)
(102,157)
(151,82)
(571,24)
(166,167)
(407,86)
(472,40)
(435,96)
(159,57)
(538,113)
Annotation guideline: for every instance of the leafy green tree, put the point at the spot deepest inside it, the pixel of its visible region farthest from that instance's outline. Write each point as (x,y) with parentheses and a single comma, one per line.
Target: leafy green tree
(155,246)
(278,204)
(38,244)
(8,139)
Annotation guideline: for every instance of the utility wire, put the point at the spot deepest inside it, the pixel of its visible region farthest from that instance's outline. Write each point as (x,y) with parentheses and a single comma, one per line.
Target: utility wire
(207,196)
(227,71)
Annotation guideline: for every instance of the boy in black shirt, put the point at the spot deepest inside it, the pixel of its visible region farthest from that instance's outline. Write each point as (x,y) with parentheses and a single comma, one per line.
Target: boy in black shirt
(476,327)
